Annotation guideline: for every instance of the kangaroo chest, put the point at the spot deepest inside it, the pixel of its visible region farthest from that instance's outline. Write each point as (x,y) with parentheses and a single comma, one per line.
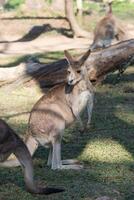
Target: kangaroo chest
(78,101)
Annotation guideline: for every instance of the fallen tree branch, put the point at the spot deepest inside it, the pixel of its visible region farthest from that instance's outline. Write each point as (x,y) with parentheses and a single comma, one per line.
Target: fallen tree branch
(99,64)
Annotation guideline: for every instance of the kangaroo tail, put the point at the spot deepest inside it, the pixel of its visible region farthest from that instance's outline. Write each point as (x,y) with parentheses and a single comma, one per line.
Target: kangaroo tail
(25,159)
(50,190)
(12,161)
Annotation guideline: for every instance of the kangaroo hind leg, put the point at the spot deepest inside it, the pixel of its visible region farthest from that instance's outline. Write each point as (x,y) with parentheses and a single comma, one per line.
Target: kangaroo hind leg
(56,155)
(57,163)
(49,161)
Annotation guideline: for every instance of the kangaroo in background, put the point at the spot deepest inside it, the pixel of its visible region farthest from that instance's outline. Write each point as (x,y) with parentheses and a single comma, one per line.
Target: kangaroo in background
(106,30)
(10,143)
(57,110)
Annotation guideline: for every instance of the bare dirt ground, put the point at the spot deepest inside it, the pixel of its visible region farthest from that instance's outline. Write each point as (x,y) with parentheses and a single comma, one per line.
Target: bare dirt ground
(43,44)
(106,148)
(14,28)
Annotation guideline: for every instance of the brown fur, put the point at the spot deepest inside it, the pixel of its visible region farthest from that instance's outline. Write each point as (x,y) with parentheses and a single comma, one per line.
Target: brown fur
(106,31)
(11,143)
(58,109)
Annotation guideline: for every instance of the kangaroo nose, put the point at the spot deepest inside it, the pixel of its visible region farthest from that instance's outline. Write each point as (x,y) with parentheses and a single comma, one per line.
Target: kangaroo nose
(70,81)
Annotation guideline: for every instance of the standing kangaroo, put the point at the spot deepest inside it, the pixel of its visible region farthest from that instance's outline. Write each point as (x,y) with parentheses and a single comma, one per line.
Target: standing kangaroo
(58,109)
(11,143)
(106,30)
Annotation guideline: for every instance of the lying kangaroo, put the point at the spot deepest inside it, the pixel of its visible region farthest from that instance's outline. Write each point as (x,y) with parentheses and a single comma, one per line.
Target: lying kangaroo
(11,143)
(58,109)
(106,30)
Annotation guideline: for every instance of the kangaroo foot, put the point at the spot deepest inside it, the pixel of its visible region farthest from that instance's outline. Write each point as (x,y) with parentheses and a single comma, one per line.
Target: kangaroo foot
(70,162)
(74,167)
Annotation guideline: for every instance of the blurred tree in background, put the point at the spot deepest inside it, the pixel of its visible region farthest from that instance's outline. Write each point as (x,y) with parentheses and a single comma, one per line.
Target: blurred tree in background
(77,31)
(2,2)
(35,4)
(55,4)
(58,4)
(13,4)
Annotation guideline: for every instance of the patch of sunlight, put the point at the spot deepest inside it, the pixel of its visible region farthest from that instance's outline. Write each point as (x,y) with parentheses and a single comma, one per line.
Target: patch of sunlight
(105,150)
(126,116)
(15,106)
(130,70)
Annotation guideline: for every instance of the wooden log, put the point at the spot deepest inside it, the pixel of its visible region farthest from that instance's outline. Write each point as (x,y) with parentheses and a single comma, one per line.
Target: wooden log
(99,64)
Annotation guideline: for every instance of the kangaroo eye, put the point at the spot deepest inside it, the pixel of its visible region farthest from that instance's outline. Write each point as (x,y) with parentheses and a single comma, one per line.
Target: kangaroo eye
(68,72)
(78,71)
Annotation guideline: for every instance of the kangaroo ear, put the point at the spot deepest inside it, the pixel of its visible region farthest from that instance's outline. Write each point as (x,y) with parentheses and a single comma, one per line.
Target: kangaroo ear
(69,57)
(84,57)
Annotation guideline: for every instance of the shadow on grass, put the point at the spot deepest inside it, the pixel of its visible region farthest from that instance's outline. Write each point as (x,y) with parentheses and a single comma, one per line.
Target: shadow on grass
(36,31)
(113,78)
(46,57)
(105,124)
(114,179)
(31,17)
(16,62)
(112,121)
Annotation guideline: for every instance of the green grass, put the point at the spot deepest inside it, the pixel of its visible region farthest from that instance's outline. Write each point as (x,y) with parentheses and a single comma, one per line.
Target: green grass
(13,4)
(12,61)
(106,148)
(124,10)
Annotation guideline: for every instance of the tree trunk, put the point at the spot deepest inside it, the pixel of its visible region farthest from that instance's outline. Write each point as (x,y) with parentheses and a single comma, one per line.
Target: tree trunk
(2,2)
(79,4)
(99,64)
(35,4)
(77,31)
(58,5)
